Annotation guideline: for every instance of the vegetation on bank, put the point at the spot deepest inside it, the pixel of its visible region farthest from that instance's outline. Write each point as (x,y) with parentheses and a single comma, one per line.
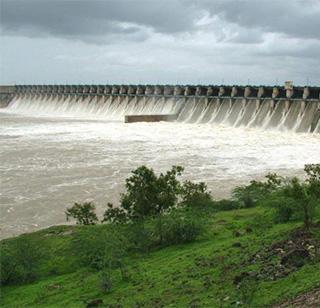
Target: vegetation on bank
(169,244)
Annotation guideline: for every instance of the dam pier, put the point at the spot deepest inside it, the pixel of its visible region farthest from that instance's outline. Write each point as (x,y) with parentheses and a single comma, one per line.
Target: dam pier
(284,108)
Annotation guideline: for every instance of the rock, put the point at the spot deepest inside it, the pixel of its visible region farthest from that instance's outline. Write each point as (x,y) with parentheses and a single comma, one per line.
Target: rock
(280,251)
(310,299)
(295,257)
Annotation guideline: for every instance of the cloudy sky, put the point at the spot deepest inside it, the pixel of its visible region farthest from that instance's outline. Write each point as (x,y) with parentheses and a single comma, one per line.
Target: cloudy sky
(160,41)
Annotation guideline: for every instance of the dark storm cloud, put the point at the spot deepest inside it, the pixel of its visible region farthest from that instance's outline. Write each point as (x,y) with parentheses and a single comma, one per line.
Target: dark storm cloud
(87,20)
(83,18)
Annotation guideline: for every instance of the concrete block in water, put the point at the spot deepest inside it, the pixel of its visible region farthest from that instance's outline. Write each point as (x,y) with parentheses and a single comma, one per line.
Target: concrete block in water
(150,118)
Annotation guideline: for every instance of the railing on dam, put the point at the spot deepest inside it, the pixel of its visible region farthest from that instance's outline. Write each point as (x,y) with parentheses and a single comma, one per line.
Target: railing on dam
(222,91)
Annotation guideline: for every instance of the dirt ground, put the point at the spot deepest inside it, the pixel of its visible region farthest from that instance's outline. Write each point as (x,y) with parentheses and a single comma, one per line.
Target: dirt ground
(307,300)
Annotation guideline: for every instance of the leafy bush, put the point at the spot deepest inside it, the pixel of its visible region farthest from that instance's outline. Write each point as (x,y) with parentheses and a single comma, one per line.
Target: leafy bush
(178,227)
(283,206)
(304,200)
(248,196)
(284,214)
(19,261)
(115,215)
(101,248)
(195,195)
(296,199)
(149,195)
(83,213)
(146,195)
(139,235)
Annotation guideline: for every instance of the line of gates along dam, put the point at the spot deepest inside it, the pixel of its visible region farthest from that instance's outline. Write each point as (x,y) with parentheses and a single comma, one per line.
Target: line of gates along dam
(287,108)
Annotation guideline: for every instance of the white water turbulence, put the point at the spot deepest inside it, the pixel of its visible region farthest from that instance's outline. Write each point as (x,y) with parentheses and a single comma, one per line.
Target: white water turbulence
(296,116)
(54,152)
(110,108)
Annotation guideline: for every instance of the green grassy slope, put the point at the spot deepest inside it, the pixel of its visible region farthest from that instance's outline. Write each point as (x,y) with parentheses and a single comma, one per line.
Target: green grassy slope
(201,274)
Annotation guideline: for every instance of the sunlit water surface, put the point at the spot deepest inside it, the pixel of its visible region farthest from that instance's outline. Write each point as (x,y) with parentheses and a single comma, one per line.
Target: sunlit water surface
(49,163)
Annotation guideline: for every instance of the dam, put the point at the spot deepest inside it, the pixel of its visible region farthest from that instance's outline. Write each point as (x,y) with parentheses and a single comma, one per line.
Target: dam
(61,144)
(293,109)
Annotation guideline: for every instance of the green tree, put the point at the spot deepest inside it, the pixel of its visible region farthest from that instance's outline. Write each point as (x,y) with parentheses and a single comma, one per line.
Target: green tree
(298,199)
(115,215)
(195,194)
(101,248)
(19,261)
(84,213)
(249,195)
(307,194)
(146,195)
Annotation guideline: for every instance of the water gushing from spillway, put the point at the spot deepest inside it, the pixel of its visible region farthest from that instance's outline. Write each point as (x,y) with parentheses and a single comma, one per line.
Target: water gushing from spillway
(109,108)
(294,116)
(283,115)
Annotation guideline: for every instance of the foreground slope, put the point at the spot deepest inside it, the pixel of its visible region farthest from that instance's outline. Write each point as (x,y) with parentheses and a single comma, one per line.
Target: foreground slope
(240,260)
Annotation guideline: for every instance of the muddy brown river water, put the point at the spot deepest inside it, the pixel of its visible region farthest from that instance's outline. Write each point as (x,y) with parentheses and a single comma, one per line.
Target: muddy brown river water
(49,162)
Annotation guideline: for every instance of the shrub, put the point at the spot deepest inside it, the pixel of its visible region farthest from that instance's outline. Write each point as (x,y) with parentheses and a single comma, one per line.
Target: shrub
(148,195)
(303,199)
(101,248)
(115,215)
(195,195)
(297,199)
(19,261)
(284,213)
(248,196)
(283,207)
(178,227)
(83,213)
(139,235)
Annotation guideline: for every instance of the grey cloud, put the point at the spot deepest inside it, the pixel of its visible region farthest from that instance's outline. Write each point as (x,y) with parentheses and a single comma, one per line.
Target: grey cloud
(300,50)
(96,19)
(295,18)
(159,41)
(83,18)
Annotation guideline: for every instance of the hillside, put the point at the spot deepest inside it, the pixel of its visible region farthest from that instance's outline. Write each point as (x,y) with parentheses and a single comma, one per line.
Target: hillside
(241,259)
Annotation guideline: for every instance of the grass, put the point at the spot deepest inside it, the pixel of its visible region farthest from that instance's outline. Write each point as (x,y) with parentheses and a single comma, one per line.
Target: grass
(199,274)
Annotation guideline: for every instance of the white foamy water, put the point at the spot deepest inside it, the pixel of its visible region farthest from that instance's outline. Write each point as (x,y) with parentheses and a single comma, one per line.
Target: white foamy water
(50,159)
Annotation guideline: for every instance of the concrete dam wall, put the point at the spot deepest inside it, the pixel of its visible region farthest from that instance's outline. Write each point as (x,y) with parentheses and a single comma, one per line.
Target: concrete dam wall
(288,109)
